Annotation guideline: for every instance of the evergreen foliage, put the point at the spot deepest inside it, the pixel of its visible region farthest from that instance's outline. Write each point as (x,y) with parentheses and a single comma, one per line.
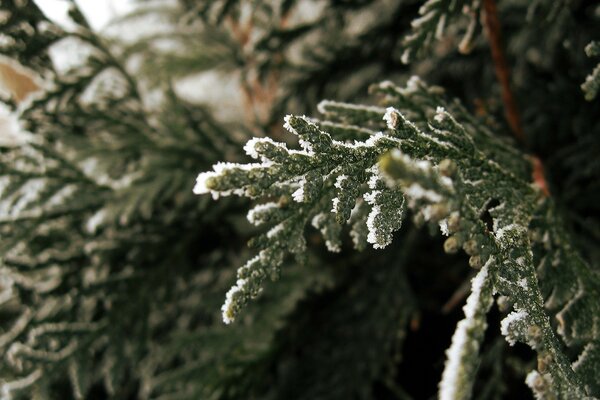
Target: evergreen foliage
(112,270)
(592,81)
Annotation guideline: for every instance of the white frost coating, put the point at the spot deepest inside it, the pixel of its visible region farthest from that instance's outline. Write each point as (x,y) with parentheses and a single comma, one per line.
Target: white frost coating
(200,187)
(448,384)
(444,227)
(387,85)
(339,181)
(89,166)
(523,283)
(374,179)
(370,197)
(6,41)
(373,234)
(500,232)
(317,219)
(453,376)
(532,380)
(589,348)
(287,124)
(374,140)
(298,195)
(421,20)
(356,237)
(8,387)
(250,148)
(4,182)
(476,183)
(306,146)
(333,247)
(507,322)
(108,83)
(4,16)
(412,85)
(218,169)
(416,191)
(226,308)
(335,204)
(446,181)
(439,142)
(38,331)
(440,114)
(569,306)
(546,239)
(18,327)
(6,289)
(439,29)
(317,223)
(476,285)
(29,193)
(221,167)
(323,105)
(274,230)
(405,58)
(391,117)
(256,210)
(59,197)
(73,369)
(95,221)
(426,212)
(423,165)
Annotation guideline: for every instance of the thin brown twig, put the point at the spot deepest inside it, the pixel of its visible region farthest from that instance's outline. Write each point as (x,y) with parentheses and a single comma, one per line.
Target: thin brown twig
(491,24)
(492,28)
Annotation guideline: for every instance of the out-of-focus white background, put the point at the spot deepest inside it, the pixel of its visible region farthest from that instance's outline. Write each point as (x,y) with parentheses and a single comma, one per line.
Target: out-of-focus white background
(98,12)
(198,88)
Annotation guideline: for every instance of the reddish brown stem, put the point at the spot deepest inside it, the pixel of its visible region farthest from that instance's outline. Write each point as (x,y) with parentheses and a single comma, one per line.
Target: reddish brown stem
(492,28)
(493,31)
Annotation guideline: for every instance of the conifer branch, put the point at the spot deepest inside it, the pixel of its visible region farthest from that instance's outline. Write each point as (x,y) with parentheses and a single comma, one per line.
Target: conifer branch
(439,170)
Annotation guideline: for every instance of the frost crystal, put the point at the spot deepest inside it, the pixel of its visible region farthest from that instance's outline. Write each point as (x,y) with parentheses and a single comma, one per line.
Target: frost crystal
(203,183)
(513,326)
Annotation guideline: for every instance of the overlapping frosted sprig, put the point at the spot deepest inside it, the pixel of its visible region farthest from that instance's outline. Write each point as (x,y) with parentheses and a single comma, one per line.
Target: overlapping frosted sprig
(591,86)
(435,16)
(459,176)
